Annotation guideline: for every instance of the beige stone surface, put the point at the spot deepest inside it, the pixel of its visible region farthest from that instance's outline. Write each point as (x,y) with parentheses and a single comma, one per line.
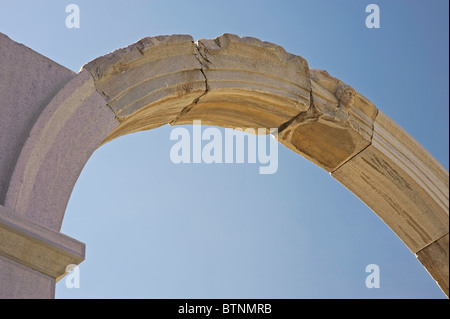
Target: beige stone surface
(149,83)
(402,183)
(435,259)
(250,84)
(337,125)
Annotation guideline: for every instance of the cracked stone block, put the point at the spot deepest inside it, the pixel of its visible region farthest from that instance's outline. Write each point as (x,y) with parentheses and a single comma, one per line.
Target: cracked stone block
(336,127)
(149,83)
(250,84)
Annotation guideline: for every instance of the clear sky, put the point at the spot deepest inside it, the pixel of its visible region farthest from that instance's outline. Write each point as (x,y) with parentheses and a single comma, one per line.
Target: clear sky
(154,229)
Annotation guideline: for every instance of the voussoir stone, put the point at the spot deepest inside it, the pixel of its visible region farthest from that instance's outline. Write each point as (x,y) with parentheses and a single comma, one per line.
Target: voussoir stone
(150,82)
(435,259)
(402,182)
(337,125)
(250,84)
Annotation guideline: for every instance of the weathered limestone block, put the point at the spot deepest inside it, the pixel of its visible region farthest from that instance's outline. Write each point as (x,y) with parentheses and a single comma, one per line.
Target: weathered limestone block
(435,259)
(28,81)
(336,126)
(61,141)
(149,83)
(250,84)
(402,183)
(408,189)
(34,252)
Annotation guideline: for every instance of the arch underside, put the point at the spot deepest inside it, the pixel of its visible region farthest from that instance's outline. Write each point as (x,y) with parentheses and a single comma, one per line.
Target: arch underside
(235,82)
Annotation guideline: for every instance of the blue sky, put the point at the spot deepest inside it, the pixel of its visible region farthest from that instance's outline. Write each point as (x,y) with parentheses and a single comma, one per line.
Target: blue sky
(154,229)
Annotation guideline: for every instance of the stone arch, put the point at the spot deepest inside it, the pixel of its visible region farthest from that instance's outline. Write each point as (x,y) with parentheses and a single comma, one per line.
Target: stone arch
(229,82)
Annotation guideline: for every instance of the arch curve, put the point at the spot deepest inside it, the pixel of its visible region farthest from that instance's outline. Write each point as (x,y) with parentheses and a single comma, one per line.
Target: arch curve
(235,82)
